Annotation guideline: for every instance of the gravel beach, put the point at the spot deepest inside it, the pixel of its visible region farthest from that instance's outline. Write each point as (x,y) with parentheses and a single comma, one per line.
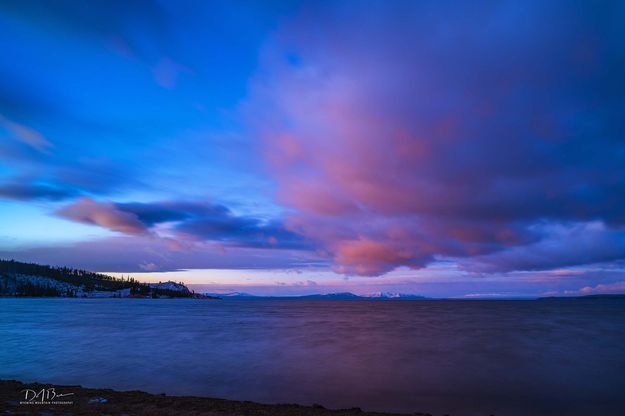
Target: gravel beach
(15,396)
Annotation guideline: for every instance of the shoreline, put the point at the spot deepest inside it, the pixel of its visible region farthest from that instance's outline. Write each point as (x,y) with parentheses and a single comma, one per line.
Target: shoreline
(77,400)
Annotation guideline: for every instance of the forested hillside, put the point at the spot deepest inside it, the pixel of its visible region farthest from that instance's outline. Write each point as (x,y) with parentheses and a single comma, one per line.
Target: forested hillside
(29,279)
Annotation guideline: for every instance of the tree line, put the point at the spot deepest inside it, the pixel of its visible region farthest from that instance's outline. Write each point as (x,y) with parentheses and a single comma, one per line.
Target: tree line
(89,281)
(76,277)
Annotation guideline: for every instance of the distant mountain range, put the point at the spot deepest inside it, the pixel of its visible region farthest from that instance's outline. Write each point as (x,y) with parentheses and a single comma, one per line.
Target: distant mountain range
(27,279)
(596,296)
(336,296)
(395,296)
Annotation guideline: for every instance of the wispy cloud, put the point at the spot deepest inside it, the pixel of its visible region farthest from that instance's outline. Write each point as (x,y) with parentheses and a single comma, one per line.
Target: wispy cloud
(26,191)
(26,135)
(603,288)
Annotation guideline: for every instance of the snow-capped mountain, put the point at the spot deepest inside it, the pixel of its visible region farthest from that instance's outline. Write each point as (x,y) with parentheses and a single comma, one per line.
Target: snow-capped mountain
(392,295)
(343,295)
(231,295)
(335,296)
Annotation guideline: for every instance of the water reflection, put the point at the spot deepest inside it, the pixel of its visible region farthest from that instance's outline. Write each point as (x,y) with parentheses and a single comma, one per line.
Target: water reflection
(457,357)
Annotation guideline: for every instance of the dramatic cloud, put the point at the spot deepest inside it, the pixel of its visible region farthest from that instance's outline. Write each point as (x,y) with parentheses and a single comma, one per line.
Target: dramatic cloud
(187,222)
(104,214)
(425,134)
(361,136)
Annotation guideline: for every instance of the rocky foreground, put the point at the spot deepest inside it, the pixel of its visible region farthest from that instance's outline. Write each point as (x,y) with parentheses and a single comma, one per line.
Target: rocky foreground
(18,398)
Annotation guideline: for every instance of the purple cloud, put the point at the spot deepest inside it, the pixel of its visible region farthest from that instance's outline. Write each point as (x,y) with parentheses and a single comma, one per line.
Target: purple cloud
(103,214)
(147,253)
(417,137)
(184,221)
(562,246)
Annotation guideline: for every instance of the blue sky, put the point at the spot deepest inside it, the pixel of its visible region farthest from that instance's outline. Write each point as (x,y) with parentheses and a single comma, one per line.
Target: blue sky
(299,147)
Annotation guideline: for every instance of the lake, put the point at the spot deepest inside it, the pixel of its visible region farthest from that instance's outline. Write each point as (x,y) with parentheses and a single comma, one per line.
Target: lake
(549,357)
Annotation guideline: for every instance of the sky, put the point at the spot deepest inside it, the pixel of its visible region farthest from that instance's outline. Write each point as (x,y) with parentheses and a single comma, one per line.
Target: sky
(449,149)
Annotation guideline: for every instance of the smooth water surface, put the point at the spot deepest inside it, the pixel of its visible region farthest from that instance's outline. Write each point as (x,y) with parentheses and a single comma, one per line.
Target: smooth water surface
(557,357)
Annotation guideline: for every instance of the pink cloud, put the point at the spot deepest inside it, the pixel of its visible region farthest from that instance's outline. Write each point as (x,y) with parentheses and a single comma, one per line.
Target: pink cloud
(27,135)
(604,288)
(395,145)
(367,257)
(103,214)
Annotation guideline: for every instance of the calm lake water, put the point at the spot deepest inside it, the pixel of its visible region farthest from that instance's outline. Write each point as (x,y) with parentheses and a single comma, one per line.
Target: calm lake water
(561,357)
